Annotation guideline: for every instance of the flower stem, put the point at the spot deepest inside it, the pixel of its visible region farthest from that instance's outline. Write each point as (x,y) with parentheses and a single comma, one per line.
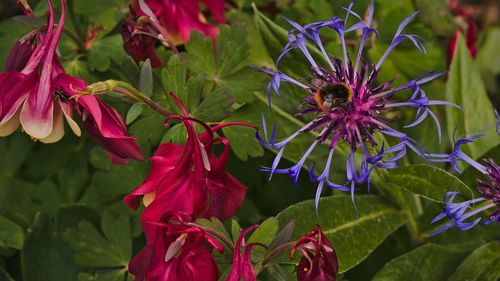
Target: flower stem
(216,234)
(127,90)
(130,91)
(276,251)
(74,20)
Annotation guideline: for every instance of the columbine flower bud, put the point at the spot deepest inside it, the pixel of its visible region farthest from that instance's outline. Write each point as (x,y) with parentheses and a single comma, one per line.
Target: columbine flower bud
(242,268)
(319,260)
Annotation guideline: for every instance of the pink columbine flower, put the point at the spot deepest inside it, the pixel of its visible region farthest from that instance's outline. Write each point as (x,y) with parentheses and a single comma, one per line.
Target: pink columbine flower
(176,252)
(190,178)
(35,93)
(319,260)
(242,268)
(167,18)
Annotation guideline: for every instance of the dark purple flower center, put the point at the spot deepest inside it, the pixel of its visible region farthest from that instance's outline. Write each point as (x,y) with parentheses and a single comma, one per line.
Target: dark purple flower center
(491,188)
(345,103)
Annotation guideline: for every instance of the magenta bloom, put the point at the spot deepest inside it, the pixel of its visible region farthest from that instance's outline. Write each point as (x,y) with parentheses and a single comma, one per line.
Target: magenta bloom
(346,104)
(176,252)
(319,260)
(35,93)
(177,18)
(189,178)
(242,268)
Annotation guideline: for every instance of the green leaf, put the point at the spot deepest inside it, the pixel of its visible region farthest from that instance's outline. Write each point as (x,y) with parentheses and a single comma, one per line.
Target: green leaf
(235,230)
(105,276)
(225,63)
(11,234)
(79,69)
(275,38)
(14,151)
(104,51)
(111,250)
(45,256)
(146,79)
(4,275)
(105,14)
(353,238)
(470,174)
(148,129)
(9,34)
(266,232)
(118,180)
(284,235)
(15,202)
(242,139)
(215,224)
(482,264)
(441,25)
(214,107)
(488,60)
(466,89)
(430,262)
(70,216)
(134,112)
(231,50)
(278,273)
(409,203)
(427,181)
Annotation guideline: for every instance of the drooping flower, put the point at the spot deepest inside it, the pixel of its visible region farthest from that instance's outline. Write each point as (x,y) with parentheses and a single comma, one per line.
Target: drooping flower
(319,260)
(137,43)
(35,93)
(176,252)
(347,105)
(190,178)
(168,18)
(242,268)
(467,214)
(21,52)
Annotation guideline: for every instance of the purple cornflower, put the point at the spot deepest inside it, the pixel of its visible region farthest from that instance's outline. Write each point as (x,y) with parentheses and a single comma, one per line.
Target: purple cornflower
(489,190)
(348,105)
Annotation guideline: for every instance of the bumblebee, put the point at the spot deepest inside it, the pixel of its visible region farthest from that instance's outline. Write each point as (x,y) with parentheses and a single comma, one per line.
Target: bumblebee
(331,96)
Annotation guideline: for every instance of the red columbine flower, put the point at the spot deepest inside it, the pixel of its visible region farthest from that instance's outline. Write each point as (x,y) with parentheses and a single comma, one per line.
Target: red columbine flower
(36,94)
(319,261)
(136,42)
(469,31)
(242,268)
(167,18)
(190,178)
(176,252)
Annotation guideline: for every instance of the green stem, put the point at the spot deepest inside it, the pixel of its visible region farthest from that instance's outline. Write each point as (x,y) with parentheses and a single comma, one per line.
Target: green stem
(276,251)
(75,39)
(128,90)
(216,234)
(74,20)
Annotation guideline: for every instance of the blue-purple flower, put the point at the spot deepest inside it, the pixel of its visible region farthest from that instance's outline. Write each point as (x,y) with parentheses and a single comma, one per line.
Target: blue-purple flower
(467,214)
(348,105)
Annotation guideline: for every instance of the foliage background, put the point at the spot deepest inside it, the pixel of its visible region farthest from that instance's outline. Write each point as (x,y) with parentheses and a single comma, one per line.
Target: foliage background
(61,215)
